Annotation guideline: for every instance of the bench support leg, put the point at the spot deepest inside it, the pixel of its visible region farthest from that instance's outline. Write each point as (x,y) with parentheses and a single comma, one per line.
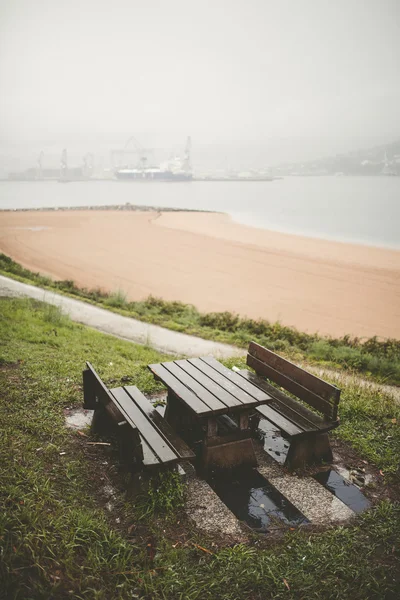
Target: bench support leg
(322,448)
(305,450)
(254,421)
(100,422)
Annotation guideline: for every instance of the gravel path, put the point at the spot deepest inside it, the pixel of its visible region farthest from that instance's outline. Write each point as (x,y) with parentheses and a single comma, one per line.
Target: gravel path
(164,340)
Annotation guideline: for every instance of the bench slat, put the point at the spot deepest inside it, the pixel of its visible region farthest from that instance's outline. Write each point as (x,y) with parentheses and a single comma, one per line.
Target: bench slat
(279,420)
(309,381)
(180,371)
(241,397)
(180,390)
(307,420)
(248,387)
(177,444)
(292,386)
(149,458)
(224,397)
(132,412)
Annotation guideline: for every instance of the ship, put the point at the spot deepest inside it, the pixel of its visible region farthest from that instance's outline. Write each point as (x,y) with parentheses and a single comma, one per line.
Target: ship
(152,174)
(175,169)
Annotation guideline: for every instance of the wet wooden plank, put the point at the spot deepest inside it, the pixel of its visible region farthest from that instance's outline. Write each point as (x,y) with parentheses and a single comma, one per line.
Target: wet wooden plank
(172,383)
(149,458)
(242,397)
(177,444)
(209,386)
(279,420)
(307,380)
(246,386)
(134,415)
(308,420)
(180,371)
(293,387)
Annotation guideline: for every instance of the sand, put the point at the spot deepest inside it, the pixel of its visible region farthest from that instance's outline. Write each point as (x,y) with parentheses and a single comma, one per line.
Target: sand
(210,261)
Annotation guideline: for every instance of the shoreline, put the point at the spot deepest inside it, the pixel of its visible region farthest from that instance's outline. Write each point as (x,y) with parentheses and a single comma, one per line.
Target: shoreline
(126,206)
(208,260)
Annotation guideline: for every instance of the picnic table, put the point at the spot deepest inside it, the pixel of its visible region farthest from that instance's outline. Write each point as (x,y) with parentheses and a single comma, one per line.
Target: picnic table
(209,406)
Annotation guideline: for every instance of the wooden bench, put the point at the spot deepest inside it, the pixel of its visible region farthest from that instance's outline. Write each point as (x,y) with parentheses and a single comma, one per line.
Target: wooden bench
(145,438)
(306,429)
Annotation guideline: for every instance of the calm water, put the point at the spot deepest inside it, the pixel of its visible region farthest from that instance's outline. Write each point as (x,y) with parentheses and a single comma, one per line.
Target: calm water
(363,210)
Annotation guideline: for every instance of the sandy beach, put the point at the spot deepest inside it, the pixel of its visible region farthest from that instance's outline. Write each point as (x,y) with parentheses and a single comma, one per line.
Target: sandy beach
(210,261)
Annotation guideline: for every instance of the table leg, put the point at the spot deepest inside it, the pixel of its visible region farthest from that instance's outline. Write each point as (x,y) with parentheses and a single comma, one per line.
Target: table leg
(182,419)
(244,420)
(211,427)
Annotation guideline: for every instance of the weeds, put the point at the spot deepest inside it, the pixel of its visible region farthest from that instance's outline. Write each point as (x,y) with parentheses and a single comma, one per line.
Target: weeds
(164,495)
(54,315)
(116,299)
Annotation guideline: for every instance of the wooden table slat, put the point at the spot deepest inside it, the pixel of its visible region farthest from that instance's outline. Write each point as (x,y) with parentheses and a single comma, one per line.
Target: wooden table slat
(209,387)
(181,391)
(248,387)
(243,397)
(180,373)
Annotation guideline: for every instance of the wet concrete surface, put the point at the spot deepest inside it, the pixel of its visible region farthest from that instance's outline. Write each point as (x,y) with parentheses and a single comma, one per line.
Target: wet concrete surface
(209,512)
(78,418)
(274,444)
(346,491)
(255,500)
(311,498)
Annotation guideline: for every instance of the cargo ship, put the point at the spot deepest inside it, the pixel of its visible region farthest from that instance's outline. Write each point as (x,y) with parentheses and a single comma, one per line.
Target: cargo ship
(176,169)
(153,174)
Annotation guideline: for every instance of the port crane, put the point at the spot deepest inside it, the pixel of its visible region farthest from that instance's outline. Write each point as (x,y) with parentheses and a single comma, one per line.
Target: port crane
(39,171)
(121,158)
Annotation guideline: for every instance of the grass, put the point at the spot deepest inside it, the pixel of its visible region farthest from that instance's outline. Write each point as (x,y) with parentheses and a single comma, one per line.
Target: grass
(57,541)
(375,358)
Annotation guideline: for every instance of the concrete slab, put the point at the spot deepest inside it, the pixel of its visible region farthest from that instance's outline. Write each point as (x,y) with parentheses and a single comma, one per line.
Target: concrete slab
(78,418)
(314,501)
(208,512)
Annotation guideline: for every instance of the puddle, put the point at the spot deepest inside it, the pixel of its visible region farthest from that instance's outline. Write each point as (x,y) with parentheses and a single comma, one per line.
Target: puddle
(78,418)
(274,444)
(347,492)
(254,500)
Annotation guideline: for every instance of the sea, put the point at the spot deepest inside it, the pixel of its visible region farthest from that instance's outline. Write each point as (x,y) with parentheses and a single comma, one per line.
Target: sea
(361,210)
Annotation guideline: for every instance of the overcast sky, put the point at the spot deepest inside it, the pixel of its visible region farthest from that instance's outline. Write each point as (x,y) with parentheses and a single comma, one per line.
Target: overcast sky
(283,75)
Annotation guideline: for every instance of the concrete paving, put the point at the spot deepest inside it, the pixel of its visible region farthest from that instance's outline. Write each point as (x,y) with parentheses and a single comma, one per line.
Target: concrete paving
(164,340)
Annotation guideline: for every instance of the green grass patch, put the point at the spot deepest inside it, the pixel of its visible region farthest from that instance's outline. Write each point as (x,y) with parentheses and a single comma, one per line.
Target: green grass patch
(375,358)
(57,542)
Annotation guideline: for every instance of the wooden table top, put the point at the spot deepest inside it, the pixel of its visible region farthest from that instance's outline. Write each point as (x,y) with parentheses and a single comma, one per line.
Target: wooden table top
(207,387)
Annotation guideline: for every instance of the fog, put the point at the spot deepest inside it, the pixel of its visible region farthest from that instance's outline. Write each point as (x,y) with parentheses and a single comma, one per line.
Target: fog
(251,81)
